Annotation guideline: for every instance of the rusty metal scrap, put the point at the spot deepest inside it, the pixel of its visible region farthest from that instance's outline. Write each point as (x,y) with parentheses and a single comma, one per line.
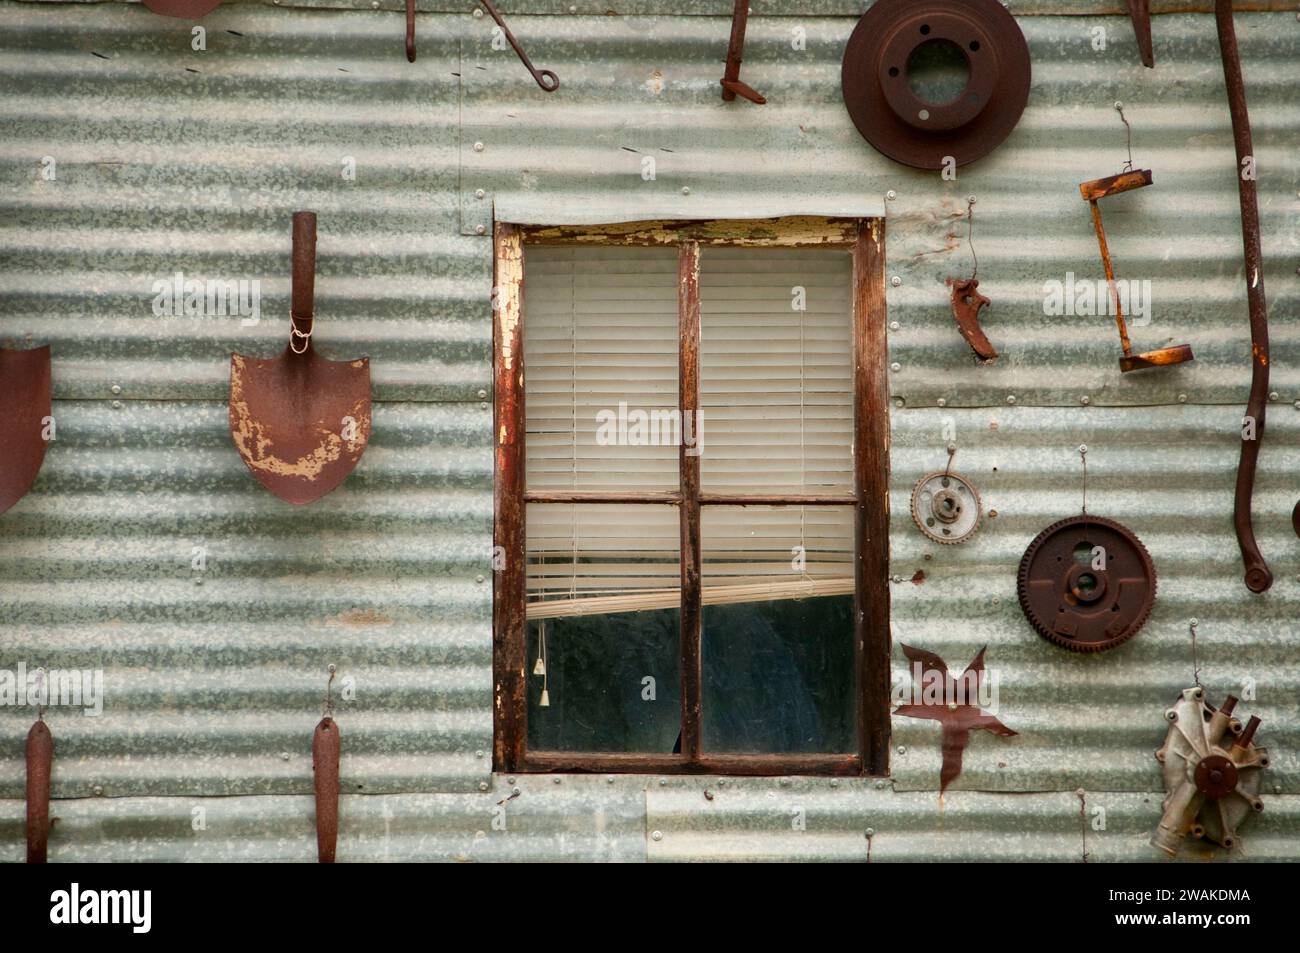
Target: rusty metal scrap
(410,31)
(40,759)
(908,129)
(1139,11)
(25,390)
(1093,191)
(1258,576)
(966,305)
(325,748)
(958,720)
(300,422)
(731,84)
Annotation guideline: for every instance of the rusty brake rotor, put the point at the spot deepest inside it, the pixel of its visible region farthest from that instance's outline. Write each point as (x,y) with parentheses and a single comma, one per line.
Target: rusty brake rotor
(1087,583)
(891,116)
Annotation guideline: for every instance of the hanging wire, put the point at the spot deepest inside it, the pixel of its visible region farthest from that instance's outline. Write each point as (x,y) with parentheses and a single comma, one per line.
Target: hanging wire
(40,705)
(952,452)
(1128,135)
(1083,456)
(329,695)
(1196,666)
(970,234)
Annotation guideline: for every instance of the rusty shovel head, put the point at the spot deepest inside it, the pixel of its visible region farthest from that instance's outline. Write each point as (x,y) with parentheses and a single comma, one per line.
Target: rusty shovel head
(24,413)
(300,422)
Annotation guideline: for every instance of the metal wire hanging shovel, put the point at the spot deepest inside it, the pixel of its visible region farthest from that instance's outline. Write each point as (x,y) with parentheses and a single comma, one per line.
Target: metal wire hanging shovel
(24,419)
(299,421)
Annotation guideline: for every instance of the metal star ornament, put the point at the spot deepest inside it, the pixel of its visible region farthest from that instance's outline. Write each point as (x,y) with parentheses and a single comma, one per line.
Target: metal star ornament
(951,708)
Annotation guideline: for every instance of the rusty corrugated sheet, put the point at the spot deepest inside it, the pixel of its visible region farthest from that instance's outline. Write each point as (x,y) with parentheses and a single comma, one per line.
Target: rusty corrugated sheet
(170,159)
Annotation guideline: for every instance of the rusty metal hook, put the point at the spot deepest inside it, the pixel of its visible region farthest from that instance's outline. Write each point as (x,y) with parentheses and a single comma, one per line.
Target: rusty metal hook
(545,78)
(731,84)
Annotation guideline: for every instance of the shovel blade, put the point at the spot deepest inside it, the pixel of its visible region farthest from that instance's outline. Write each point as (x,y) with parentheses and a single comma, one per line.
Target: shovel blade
(299,422)
(24,415)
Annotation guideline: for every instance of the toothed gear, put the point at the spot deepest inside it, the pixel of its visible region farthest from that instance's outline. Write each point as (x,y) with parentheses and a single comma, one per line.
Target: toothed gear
(946,507)
(1076,606)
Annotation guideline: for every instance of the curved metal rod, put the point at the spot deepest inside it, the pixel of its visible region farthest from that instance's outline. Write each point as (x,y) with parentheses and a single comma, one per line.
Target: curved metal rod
(545,78)
(1258,576)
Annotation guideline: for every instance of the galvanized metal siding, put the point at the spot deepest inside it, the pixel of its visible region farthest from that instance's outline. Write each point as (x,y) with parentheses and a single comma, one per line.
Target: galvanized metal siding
(214,686)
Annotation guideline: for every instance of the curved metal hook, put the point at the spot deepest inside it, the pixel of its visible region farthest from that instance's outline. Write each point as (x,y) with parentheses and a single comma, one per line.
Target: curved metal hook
(545,78)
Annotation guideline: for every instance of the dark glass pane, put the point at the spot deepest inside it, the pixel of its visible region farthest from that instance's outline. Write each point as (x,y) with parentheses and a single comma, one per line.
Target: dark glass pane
(779,676)
(613,682)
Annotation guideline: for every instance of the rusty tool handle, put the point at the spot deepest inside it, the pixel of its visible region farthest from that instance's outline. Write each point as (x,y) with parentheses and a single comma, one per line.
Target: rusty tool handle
(303,305)
(40,757)
(325,765)
(545,78)
(1258,576)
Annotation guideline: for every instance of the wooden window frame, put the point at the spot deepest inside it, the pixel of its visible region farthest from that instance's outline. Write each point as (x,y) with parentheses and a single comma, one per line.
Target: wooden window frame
(871,611)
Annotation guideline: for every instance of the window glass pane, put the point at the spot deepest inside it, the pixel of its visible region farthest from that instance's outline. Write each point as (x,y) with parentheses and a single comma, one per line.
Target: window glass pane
(777,649)
(600,361)
(603,621)
(776,370)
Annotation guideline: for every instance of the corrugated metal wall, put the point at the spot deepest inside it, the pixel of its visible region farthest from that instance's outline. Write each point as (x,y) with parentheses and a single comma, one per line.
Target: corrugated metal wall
(171,159)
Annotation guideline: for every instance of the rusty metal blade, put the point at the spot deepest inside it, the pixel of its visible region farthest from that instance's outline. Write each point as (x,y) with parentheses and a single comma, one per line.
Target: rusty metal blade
(325,765)
(24,408)
(966,305)
(185,9)
(40,758)
(300,422)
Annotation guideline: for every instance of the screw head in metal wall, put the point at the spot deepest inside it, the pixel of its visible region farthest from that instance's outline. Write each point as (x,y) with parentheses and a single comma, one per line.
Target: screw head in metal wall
(1011,398)
(479,193)
(482,785)
(895,367)
(942,402)
(478,147)
(686,190)
(657,835)
(891,195)
(480,229)
(1182,398)
(1085,400)
(895,281)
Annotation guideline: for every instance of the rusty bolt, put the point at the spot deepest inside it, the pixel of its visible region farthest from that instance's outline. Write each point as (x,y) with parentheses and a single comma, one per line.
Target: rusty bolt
(993,514)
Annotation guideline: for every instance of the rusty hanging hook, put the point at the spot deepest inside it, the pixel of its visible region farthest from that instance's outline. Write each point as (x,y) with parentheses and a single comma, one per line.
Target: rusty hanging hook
(731,84)
(325,747)
(967,302)
(545,78)
(40,758)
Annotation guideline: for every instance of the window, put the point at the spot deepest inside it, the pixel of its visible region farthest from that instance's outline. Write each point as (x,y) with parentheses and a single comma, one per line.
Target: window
(691,510)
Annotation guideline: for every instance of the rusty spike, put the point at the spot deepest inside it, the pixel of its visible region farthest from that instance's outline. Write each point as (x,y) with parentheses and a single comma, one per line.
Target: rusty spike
(966,305)
(300,422)
(1258,576)
(40,758)
(24,405)
(325,766)
(410,31)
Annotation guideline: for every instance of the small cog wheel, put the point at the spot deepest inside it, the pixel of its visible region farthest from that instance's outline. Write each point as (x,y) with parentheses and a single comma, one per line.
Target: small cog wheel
(1087,584)
(946,507)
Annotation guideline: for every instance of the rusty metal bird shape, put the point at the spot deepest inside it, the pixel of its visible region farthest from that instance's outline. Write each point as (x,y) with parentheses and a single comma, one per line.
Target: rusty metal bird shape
(957,717)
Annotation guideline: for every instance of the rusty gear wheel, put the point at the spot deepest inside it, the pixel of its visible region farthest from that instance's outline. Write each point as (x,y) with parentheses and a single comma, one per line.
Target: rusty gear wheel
(946,507)
(890,115)
(1082,599)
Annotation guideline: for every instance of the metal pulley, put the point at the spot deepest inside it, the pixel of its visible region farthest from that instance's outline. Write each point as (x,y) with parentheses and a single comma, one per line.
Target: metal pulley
(946,507)
(1087,583)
